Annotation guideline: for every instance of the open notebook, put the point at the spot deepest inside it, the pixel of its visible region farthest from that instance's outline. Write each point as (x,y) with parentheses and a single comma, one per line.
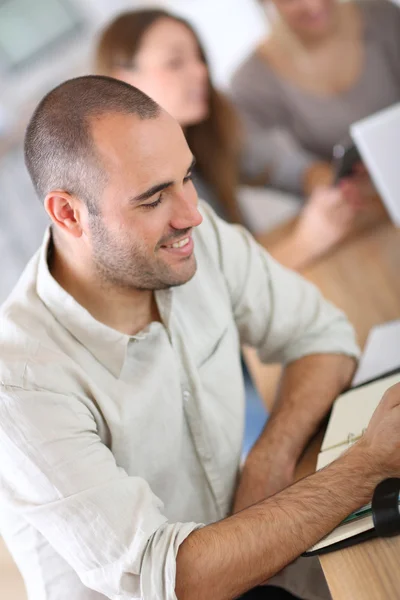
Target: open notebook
(350,416)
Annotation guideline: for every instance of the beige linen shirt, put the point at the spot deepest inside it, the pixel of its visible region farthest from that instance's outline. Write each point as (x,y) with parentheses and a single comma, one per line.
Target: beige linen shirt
(114,448)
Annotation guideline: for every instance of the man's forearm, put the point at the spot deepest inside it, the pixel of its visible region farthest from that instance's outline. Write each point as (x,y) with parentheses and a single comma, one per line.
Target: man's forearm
(223,560)
(307,390)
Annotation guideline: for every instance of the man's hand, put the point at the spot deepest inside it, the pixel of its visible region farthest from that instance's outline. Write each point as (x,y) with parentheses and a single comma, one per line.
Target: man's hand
(381,441)
(262,476)
(224,559)
(246,549)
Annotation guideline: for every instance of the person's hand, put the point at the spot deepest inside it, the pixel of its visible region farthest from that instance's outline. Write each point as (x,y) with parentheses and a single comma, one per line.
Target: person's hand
(381,441)
(261,478)
(358,189)
(326,220)
(319,174)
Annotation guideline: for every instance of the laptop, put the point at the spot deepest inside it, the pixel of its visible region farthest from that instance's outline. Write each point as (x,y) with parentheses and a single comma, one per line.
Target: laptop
(378,141)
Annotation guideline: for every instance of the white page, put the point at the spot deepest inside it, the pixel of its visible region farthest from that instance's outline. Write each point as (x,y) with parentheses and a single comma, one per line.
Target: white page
(325,458)
(345,531)
(381,353)
(353,410)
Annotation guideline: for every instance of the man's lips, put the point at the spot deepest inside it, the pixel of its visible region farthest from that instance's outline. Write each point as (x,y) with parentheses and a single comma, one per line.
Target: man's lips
(182,246)
(176,240)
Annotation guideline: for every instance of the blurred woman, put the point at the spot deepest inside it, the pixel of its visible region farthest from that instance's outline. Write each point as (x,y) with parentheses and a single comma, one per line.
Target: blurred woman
(324,65)
(160,54)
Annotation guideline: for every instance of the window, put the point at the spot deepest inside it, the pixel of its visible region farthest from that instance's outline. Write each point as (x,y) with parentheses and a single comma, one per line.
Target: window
(29,29)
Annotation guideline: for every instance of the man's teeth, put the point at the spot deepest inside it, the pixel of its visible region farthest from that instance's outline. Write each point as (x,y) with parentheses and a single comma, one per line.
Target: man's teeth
(181,243)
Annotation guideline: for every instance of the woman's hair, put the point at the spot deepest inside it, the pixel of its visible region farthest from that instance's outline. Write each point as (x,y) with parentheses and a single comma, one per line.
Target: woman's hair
(215,142)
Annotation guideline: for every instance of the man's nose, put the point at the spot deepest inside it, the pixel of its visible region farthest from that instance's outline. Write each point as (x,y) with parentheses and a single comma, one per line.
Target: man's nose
(186,213)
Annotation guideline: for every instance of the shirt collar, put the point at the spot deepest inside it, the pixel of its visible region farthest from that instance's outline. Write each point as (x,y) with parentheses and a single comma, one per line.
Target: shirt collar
(107,345)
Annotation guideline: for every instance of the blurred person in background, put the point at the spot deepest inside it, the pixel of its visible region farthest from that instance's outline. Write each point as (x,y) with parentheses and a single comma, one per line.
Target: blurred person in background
(324,65)
(160,54)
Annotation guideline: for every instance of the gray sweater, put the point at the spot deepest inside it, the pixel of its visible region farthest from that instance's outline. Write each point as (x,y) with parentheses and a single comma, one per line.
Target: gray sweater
(289,128)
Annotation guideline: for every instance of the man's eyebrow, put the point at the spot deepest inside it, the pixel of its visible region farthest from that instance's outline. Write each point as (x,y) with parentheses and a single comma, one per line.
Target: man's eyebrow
(150,192)
(158,188)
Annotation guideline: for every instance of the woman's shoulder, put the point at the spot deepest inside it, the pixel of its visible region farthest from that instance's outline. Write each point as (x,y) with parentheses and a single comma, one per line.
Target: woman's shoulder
(253,75)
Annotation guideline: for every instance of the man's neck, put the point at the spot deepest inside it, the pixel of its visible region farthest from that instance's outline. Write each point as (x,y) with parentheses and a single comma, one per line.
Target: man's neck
(126,310)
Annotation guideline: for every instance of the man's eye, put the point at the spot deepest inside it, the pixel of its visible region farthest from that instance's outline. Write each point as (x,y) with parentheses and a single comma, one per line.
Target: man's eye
(153,204)
(188,177)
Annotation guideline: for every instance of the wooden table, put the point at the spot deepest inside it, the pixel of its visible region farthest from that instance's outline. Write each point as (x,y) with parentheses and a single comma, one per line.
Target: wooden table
(362,277)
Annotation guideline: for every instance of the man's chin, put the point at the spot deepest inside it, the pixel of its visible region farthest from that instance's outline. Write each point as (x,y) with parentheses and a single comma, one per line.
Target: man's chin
(184,273)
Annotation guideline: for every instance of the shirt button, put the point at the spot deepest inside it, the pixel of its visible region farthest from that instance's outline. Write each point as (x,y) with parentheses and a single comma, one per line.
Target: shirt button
(186,395)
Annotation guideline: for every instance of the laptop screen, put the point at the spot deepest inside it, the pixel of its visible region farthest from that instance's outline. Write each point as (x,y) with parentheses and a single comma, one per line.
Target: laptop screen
(378,140)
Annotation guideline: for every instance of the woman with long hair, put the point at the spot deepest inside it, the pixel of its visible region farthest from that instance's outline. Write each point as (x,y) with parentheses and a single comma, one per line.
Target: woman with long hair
(160,54)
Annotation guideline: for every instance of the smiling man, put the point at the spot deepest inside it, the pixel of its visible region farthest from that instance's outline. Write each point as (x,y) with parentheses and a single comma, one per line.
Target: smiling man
(121,393)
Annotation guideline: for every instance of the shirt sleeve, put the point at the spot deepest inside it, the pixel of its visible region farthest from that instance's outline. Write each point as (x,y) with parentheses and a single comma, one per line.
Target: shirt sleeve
(57,473)
(269,142)
(277,311)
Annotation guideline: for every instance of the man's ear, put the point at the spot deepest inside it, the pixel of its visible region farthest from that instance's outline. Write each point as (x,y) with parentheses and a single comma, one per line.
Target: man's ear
(65,211)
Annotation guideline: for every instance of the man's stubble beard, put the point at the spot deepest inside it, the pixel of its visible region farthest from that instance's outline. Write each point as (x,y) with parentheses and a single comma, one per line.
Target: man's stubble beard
(129,268)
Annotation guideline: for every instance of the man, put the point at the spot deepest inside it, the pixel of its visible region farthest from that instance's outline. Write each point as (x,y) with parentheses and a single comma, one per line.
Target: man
(121,411)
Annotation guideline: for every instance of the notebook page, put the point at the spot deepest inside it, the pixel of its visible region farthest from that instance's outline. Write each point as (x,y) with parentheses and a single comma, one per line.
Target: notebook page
(381,353)
(325,458)
(352,412)
(344,531)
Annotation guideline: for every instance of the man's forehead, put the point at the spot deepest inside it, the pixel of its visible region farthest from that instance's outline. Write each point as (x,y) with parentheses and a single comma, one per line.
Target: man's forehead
(120,127)
(123,139)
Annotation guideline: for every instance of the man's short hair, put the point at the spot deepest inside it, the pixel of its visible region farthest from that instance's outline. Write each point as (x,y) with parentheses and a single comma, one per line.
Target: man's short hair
(59,149)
